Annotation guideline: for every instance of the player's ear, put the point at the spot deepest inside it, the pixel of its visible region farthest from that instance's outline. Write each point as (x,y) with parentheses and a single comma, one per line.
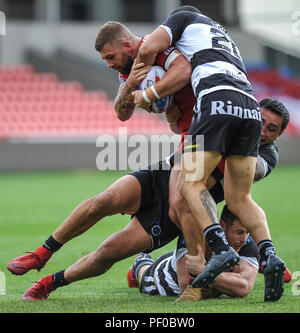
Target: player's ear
(127,45)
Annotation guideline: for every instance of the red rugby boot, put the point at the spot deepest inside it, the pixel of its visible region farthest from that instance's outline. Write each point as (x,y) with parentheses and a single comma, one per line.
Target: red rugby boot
(132,282)
(287,276)
(33,260)
(40,290)
(141,260)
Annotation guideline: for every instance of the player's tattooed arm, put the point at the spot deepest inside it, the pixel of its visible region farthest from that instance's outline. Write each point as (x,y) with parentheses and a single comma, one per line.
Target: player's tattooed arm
(124,102)
(209,205)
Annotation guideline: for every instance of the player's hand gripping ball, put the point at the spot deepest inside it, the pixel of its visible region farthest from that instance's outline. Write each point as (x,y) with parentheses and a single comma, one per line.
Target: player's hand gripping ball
(155,74)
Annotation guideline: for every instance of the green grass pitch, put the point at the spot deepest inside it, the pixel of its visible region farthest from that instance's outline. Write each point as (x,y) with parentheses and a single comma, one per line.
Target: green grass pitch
(32,205)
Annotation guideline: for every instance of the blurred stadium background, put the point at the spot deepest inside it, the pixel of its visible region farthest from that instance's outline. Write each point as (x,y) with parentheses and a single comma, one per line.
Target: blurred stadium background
(56,95)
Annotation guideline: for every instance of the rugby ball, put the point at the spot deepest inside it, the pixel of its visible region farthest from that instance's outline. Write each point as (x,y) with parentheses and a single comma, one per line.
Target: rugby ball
(155,74)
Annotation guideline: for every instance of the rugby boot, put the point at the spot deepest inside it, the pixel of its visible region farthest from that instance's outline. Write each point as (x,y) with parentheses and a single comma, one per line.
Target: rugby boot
(40,290)
(217,264)
(274,278)
(190,294)
(287,276)
(132,282)
(132,275)
(33,260)
(287,273)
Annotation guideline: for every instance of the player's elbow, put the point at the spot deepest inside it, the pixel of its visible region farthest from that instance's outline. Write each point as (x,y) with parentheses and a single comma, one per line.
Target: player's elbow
(243,290)
(145,51)
(122,116)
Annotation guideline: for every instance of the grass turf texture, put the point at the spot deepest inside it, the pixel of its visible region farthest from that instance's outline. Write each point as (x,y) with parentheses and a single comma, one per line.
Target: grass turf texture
(32,205)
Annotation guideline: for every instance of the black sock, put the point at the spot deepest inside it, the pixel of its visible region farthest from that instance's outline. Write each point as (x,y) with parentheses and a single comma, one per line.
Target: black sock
(52,245)
(216,238)
(59,280)
(265,248)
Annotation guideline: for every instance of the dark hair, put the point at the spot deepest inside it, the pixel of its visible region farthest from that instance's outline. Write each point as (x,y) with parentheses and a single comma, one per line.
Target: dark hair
(277,107)
(186,9)
(111,32)
(228,217)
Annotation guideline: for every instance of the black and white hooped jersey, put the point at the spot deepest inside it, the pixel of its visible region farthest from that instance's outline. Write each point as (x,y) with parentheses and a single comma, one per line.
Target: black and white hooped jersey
(165,270)
(215,59)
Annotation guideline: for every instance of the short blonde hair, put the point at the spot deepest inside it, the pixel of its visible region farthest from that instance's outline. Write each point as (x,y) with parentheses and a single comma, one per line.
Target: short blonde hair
(112,32)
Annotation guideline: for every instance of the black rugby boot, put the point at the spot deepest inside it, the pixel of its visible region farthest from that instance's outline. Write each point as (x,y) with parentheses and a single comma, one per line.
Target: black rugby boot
(274,278)
(217,264)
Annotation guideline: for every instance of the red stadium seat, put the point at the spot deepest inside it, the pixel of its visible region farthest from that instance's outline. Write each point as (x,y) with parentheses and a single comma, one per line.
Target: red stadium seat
(39,104)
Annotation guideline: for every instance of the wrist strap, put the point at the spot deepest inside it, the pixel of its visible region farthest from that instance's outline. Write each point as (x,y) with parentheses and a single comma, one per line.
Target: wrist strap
(146,98)
(155,92)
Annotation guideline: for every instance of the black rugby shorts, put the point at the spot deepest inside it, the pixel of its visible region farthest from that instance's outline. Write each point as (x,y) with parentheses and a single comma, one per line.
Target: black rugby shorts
(230,123)
(153,214)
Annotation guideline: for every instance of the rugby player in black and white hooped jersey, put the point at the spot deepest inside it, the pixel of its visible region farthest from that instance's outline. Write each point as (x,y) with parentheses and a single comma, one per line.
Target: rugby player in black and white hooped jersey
(228,116)
(161,277)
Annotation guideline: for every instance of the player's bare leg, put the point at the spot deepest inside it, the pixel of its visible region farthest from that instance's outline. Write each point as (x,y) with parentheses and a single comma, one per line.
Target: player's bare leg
(238,178)
(123,244)
(180,212)
(123,196)
(204,209)
(193,235)
(193,185)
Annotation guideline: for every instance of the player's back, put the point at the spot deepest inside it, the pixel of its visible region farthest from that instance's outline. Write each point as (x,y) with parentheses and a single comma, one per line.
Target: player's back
(214,56)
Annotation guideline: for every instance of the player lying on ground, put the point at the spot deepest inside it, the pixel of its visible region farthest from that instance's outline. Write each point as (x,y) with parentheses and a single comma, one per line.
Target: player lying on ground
(160,276)
(138,193)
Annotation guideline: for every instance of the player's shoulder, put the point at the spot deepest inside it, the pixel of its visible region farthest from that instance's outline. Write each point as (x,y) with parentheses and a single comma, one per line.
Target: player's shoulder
(271,148)
(190,17)
(249,249)
(269,153)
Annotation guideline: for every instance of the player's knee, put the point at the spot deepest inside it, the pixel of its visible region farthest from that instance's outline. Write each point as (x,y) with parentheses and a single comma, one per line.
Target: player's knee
(236,202)
(243,291)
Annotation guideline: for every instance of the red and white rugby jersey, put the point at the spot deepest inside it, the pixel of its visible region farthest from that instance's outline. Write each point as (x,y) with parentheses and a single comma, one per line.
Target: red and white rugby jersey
(184,98)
